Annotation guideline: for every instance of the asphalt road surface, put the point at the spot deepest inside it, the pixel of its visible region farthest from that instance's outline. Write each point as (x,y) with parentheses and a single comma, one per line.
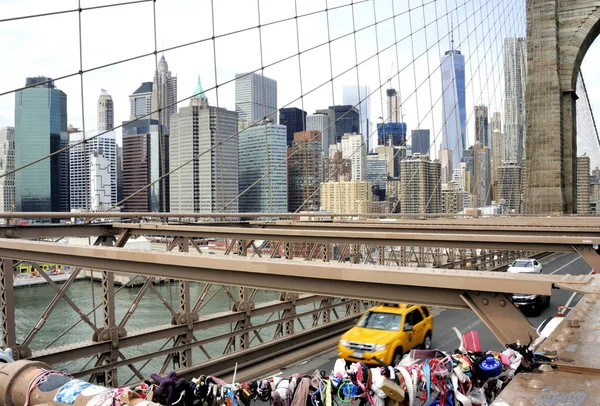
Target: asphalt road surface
(444,337)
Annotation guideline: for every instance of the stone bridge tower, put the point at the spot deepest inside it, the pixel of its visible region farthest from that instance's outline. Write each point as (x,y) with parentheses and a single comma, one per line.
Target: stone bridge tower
(559,33)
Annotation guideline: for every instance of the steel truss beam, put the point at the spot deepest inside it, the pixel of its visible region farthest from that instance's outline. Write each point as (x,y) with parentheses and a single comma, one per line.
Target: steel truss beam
(441,287)
(531,240)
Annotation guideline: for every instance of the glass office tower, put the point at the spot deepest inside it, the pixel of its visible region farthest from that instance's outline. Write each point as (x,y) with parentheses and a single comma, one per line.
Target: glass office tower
(41,129)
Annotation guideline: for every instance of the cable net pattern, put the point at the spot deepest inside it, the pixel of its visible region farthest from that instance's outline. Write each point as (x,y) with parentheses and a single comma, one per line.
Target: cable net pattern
(383,58)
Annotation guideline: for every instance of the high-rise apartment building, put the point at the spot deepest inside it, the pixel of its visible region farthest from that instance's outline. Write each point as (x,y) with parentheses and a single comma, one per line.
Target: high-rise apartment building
(106,112)
(336,168)
(343,120)
(482,135)
(145,160)
(496,154)
(454,127)
(392,156)
(420,141)
(41,129)
(377,175)
(305,171)
(262,148)
(446,165)
(583,185)
(393,114)
(320,122)
(164,94)
(255,99)
(211,181)
(515,81)
(119,173)
(452,201)
(352,196)
(93,171)
(295,121)
(483,175)
(419,187)
(507,191)
(359,96)
(354,150)
(7,164)
(140,102)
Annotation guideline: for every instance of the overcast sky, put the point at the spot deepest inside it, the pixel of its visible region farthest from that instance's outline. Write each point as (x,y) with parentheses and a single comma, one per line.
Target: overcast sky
(50,46)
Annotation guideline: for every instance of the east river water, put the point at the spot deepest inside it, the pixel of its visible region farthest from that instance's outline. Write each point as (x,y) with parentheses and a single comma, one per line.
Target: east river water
(31,302)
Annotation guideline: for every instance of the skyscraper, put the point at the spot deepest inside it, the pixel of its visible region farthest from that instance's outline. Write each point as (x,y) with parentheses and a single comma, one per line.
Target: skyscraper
(262,148)
(496,121)
(359,96)
(583,185)
(211,181)
(354,150)
(305,171)
(140,102)
(481,126)
(255,98)
(7,164)
(295,121)
(145,160)
(393,107)
(515,81)
(419,188)
(41,129)
(93,187)
(419,141)
(454,131)
(164,89)
(343,120)
(106,112)
(391,134)
(320,122)
(508,186)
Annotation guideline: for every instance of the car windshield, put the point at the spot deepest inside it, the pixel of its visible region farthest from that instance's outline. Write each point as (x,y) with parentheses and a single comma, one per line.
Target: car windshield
(522,264)
(381,321)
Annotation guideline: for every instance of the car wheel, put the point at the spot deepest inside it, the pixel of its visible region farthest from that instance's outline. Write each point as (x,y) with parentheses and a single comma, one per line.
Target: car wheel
(427,341)
(398,354)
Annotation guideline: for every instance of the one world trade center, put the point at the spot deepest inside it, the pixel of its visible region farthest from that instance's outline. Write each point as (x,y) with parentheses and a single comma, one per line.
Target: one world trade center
(454,135)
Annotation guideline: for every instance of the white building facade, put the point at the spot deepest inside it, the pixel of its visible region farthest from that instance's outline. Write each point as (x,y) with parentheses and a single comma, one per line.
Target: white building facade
(515,81)
(164,93)
(353,149)
(7,164)
(255,98)
(106,112)
(93,187)
(210,182)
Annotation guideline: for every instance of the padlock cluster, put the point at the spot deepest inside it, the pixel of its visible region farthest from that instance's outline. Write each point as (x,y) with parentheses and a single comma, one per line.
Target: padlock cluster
(429,377)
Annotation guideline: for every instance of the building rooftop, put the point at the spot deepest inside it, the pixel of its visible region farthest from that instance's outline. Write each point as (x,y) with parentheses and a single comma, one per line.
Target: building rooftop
(146,87)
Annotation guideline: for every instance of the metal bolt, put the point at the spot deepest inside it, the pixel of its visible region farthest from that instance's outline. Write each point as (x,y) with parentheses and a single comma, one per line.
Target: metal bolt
(545,368)
(485,302)
(502,303)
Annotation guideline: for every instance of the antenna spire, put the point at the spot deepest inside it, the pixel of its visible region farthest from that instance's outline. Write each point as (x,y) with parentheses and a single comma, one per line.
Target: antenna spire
(452,32)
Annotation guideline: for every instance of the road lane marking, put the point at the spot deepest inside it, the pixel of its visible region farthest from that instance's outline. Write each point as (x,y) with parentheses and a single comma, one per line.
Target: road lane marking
(565,265)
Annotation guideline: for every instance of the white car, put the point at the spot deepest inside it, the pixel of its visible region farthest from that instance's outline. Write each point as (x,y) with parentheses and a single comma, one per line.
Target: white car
(549,325)
(525,265)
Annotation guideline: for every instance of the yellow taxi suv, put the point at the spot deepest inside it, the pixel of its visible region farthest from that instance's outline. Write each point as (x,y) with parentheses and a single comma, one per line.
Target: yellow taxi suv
(387,332)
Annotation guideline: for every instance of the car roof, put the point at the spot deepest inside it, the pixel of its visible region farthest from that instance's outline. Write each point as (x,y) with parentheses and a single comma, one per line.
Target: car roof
(396,308)
(524,259)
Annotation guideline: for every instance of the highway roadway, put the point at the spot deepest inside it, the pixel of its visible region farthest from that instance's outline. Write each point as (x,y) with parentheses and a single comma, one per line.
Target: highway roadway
(445,338)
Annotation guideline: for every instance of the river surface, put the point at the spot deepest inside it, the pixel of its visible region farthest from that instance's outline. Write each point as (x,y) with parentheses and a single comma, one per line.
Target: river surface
(31,303)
